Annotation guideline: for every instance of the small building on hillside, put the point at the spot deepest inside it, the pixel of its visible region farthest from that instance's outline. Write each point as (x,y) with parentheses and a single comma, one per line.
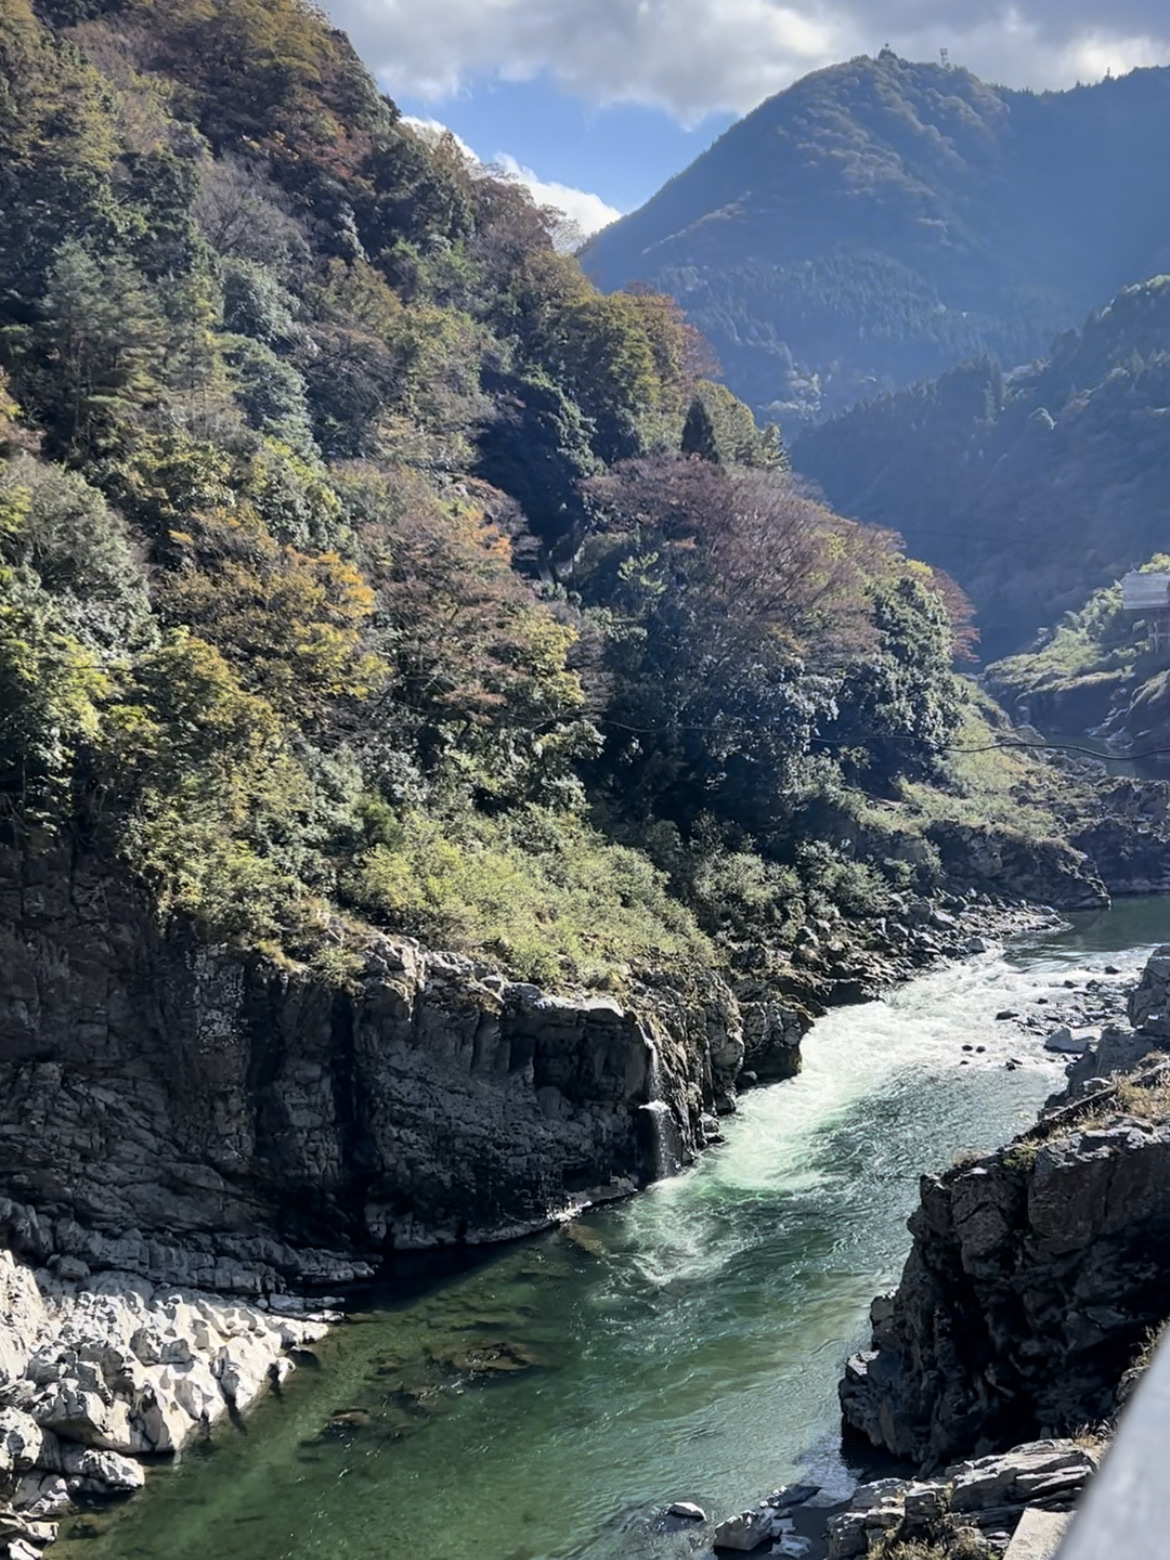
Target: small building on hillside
(1149,595)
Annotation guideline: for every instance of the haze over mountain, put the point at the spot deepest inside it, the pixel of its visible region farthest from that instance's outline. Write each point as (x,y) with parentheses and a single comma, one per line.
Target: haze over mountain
(882,221)
(1032,490)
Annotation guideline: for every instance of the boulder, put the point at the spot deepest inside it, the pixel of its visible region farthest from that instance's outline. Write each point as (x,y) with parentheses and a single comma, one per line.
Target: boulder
(21,1439)
(789,1495)
(1038,1470)
(1149,1003)
(875,1510)
(687,1510)
(93,1418)
(1118,1051)
(744,1532)
(1063,1039)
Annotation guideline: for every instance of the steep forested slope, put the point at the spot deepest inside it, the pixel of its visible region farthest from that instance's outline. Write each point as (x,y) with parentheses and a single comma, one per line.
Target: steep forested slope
(360,562)
(882,220)
(1033,490)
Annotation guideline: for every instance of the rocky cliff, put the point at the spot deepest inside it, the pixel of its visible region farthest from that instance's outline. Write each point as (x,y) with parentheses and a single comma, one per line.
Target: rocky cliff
(192,1114)
(197,1115)
(1036,1273)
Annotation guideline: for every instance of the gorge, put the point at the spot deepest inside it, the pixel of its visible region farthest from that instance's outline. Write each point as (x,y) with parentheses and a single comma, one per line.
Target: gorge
(684,1345)
(457,772)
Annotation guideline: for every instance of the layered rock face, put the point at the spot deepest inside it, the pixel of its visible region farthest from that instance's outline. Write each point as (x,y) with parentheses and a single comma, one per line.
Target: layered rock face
(191,1115)
(1129,838)
(983,1500)
(94,1377)
(1035,1275)
(1000,861)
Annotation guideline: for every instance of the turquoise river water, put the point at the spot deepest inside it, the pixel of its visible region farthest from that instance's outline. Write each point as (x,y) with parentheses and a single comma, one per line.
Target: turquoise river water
(541,1403)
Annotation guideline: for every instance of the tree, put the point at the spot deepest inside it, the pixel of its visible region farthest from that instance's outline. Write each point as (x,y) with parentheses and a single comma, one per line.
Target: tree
(94,356)
(61,537)
(603,351)
(535,446)
(58,151)
(899,706)
(721,429)
(480,685)
(50,691)
(289,622)
(732,603)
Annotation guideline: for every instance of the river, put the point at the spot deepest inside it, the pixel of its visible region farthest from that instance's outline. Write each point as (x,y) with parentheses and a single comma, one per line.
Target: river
(539,1404)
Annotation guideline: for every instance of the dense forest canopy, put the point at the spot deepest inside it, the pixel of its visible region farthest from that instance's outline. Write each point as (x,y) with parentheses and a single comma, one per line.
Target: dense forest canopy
(361,561)
(882,221)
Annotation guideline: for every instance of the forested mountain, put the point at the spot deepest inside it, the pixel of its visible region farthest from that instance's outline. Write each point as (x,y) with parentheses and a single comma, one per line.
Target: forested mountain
(882,221)
(1034,489)
(361,562)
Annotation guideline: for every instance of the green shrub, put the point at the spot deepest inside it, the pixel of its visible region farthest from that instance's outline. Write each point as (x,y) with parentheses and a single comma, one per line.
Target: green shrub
(541,892)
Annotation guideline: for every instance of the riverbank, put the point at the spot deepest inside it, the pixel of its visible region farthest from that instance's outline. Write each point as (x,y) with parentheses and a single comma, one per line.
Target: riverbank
(182,1117)
(682,1345)
(144,1367)
(1033,1289)
(99,1376)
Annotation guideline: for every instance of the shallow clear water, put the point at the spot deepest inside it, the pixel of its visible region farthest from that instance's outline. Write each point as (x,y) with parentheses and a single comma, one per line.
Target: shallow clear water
(685,1345)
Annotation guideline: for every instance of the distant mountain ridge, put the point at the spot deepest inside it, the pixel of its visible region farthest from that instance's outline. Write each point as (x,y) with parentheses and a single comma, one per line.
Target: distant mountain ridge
(1033,490)
(882,221)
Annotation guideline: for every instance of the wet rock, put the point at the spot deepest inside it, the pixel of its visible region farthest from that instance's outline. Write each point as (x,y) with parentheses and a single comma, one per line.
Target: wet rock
(745,1531)
(772,1032)
(789,1495)
(1063,1039)
(687,1510)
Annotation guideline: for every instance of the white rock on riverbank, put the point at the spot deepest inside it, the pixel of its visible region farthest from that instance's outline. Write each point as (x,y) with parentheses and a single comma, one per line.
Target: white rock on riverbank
(987,1494)
(94,1374)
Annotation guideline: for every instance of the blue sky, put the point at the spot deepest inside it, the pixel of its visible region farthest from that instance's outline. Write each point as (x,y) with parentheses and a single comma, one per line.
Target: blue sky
(595,103)
(623,151)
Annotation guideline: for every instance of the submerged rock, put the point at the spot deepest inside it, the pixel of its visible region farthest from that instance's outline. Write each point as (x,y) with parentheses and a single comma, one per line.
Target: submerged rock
(747,1530)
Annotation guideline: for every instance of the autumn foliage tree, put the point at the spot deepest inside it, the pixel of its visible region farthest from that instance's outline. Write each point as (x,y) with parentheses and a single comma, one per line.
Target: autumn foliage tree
(290,621)
(479,679)
(738,610)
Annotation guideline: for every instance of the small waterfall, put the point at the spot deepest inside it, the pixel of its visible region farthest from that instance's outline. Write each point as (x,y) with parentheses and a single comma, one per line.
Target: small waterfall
(666,1136)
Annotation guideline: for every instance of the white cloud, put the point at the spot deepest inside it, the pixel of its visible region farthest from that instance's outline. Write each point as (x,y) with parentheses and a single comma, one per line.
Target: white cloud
(433,130)
(587,213)
(694,56)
